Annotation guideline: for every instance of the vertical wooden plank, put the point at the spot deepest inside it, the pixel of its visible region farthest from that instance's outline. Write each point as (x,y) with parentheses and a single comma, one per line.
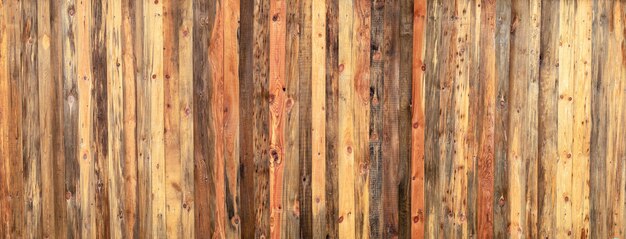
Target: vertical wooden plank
(547,110)
(115,114)
(100,120)
(614,72)
(522,130)
(581,120)
(619,92)
(305,108)
(262,100)
(57,66)
(5,166)
(475,115)
(318,119)
(47,82)
(31,154)
(375,121)
(185,87)
(132,58)
(278,100)
(173,150)
(345,134)
(70,118)
(217,172)
(446,123)
(565,119)
(361,60)
(488,74)
(501,185)
(460,113)
(433,66)
(332,123)
(405,49)
(154,61)
(418,121)
(231,116)
(599,211)
(85,141)
(247,120)
(291,181)
(390,109)
(203,130)
(16,143)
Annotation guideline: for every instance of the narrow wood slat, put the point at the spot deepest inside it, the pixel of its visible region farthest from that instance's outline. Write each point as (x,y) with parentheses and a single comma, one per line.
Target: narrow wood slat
(31,154)
(332,114)
(418,120)
(5,166)
(375,121)
(85,155)
(247,120)
(581,120)
(565,119)
(361,31)
(345,129)
(186,68)
(405,49)
(172,116)
(547,129)
(501,186)
(292,83)
(132,56)
(115,112)
(390,125)
(278,101)
(432,65)
(48,119)
(488,74)
(203,131)
(614,71)
(318,119)
(261,138)
(100,119)
(599,211)
(231,109)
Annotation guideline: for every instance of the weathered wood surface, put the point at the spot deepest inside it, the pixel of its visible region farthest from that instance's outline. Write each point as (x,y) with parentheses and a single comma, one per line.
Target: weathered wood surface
(312,119)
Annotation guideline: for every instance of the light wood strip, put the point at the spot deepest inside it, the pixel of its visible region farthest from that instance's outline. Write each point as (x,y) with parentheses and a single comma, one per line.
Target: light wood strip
(318,121)
(277,101)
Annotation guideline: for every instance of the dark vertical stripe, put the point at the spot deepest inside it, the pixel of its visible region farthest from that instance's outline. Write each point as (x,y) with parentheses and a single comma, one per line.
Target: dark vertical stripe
(390,107)
(332,117)
(202,127)
(376,119)
(247,120)
(100,116)
(305,124)
(404,117)
(261,114)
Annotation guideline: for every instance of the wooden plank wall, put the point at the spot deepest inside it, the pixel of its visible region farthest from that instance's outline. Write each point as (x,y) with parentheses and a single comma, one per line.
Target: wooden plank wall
(312,119)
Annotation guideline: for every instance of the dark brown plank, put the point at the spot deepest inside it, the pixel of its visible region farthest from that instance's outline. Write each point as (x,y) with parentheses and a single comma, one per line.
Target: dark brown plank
(100,116)
(390,109)
(405,49)
(204,136)
(261,115)
(332,104)
(376,119)
(305,119)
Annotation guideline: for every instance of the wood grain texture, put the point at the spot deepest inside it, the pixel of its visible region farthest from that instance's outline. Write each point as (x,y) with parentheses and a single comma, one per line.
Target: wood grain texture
(312,119)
